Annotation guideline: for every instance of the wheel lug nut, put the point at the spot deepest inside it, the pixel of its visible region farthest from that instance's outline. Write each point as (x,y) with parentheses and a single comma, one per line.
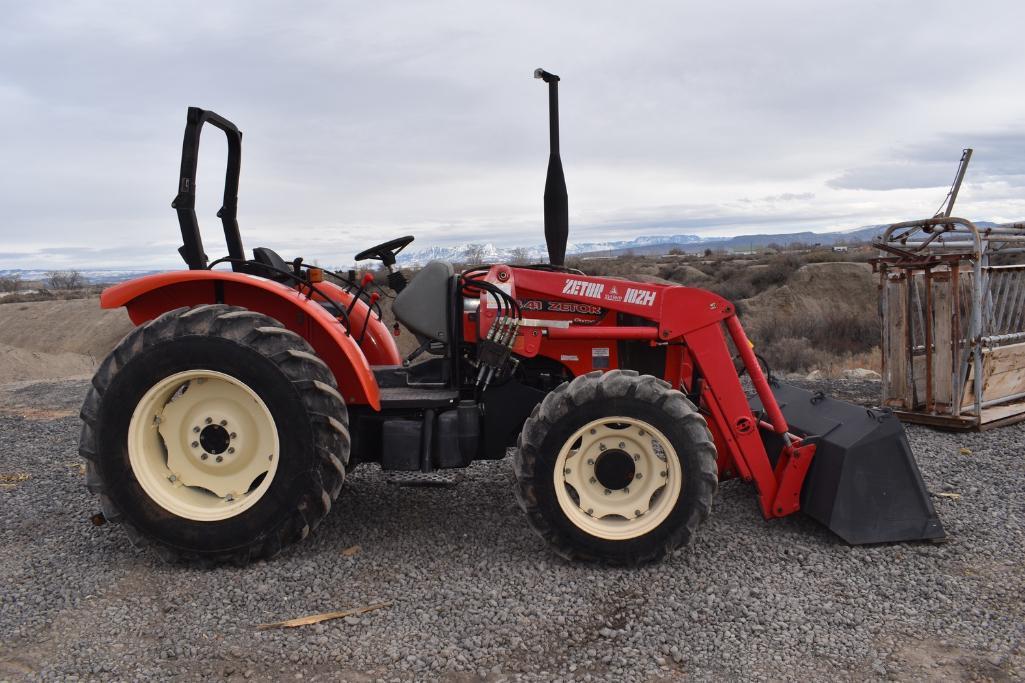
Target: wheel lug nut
(590,461)
(220,458)
(626,489)
(204,456)
(594,431)
(638,476)
(196,430)
(637,513)
(195,444)
(232,435)
(641,432)
(637,457)
(231,450)
(664,473)
(593,480)
(622,445)
(566,471)
(224,423)
(601,447)
(209,420)
(607,492)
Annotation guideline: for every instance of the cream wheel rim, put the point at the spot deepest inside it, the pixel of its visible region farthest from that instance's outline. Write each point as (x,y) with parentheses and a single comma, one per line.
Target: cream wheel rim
(203,445)
(617,478)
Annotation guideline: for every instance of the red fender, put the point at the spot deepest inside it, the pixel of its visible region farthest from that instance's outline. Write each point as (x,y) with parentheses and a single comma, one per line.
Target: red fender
(378,343)
(150,296)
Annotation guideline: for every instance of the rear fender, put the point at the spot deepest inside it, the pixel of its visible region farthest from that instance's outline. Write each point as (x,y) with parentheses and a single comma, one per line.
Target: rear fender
(150,296)
(378,343)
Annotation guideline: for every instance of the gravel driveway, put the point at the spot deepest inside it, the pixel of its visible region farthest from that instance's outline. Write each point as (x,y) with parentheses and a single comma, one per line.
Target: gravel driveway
(476,596)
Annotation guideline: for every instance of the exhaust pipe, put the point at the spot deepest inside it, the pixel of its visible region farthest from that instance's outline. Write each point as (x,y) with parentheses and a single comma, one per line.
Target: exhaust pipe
(556,199)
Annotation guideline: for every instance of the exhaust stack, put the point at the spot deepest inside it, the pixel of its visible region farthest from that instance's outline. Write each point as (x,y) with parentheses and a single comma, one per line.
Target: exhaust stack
(556,199)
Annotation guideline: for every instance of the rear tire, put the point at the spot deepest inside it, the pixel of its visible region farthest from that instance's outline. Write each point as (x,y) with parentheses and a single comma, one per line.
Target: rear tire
(617,467)
(215,434)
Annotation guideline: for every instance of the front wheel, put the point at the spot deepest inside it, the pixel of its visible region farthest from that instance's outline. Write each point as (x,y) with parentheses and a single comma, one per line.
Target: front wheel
(215,434)
(616,467)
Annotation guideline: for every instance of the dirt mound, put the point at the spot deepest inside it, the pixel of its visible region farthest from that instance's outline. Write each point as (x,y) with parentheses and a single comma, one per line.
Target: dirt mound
(17,364)
(52,339)
(686,275)
(683,274)
(825,317)
(641,277)
(78,326)
(815,289)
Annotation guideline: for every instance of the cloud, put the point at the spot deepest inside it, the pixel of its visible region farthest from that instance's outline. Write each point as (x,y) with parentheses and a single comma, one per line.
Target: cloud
(996,157)
(373,119)
(893,176)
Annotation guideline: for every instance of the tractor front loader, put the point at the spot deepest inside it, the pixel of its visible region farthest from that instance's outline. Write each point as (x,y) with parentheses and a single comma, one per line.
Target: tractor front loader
(223,426)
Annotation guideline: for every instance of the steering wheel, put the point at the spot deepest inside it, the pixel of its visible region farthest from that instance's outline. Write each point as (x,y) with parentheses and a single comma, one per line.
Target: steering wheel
(386,251)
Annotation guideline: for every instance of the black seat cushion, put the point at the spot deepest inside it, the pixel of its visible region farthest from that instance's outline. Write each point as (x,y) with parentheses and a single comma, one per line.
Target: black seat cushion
(271,266)
(423,306)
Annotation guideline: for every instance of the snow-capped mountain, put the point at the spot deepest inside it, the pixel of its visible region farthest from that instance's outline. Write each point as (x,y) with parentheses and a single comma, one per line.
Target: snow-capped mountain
(489,253)
(95,277)
(645,245)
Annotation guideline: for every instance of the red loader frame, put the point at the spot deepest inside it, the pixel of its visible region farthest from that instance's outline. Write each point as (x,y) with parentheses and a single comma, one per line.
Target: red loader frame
(692,324)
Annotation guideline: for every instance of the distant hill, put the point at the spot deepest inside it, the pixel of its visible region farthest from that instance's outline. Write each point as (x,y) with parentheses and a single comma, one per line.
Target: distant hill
(539,252)
(92,276)
(653,245)
(646,245)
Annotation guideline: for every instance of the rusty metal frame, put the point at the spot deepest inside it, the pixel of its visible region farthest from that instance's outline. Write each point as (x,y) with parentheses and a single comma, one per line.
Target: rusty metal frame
(921,249)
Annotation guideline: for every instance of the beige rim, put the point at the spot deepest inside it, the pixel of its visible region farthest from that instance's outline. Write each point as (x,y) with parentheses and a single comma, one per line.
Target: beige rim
(203,445)
(617,478)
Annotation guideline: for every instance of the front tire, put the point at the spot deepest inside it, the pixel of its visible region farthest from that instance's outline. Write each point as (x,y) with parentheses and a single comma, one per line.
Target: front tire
(215,434)
(617,467)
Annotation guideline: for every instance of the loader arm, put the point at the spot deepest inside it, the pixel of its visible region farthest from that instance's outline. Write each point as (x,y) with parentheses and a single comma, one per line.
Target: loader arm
(698,321)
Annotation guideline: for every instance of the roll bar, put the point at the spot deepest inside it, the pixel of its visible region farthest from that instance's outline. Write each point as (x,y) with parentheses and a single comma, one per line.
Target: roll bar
(185,202)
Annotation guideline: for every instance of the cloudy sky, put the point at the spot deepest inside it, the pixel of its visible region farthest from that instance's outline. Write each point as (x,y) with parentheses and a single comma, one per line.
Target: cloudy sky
(365,121)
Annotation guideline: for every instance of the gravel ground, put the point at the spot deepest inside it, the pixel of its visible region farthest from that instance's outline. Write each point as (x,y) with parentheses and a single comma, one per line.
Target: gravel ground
(476,596)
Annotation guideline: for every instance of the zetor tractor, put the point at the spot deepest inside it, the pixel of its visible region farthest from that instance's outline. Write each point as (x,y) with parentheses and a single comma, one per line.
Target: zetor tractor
(222,428)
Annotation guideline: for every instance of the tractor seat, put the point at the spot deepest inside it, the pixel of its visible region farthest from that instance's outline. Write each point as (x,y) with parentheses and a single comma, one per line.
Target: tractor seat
(271,266)
(424,305)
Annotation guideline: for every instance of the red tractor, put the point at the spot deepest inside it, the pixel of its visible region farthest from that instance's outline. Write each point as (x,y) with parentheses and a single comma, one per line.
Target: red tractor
(223,426)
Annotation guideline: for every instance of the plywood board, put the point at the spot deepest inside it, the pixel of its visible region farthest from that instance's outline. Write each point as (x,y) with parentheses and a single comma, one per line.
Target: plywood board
(1003,374)
(895,350)
(995,413)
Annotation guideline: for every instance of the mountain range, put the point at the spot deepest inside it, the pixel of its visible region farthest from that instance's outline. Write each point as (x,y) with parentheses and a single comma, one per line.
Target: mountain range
(647,245)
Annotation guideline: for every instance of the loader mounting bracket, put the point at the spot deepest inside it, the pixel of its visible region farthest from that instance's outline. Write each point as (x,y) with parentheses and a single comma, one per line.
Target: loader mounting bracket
(791,467)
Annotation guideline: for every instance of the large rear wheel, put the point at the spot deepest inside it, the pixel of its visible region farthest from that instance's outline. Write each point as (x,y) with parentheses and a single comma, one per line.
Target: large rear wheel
(616,467)
(215,434)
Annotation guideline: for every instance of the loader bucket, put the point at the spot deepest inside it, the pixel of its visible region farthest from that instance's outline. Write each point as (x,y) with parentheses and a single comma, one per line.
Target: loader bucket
(863,483)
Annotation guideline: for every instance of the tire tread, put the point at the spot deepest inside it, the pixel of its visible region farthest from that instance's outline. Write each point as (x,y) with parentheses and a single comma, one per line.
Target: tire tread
(598,386)
(310,377)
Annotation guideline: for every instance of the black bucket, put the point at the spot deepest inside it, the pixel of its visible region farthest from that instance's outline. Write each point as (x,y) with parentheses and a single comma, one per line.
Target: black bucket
(863,483)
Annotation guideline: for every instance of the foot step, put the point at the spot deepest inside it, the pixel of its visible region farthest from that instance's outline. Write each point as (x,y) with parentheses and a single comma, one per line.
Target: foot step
(438,478)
